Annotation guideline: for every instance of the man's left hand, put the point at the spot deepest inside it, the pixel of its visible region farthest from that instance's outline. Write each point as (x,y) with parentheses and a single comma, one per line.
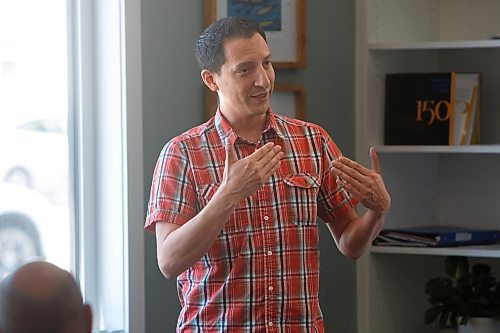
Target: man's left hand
(364,184)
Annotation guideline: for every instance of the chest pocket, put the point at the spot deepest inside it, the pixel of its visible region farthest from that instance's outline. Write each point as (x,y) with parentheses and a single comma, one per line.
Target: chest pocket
(302,192)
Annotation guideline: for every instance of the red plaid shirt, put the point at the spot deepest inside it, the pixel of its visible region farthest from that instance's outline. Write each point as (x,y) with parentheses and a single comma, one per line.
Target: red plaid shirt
(262,272)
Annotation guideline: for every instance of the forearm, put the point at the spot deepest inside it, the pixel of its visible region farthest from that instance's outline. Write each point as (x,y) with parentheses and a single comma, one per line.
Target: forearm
(184,246)
(179,247)
(359,234)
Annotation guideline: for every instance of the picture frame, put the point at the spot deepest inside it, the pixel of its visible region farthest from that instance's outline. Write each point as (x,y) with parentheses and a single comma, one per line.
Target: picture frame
(286,42)
(285,97)
(289,100)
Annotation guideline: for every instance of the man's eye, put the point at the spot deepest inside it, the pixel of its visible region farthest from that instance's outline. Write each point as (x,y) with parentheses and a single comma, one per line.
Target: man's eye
(267,62)
(243,71)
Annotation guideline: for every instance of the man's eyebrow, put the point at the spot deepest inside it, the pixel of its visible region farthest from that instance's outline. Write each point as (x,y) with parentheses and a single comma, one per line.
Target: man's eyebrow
(243,64)
(247,63)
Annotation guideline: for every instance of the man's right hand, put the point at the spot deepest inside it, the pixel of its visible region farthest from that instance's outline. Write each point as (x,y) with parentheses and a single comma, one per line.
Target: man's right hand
(179,247)
(245,176)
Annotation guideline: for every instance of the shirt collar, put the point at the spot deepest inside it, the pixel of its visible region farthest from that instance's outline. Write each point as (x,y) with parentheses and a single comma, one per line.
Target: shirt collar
(226,132)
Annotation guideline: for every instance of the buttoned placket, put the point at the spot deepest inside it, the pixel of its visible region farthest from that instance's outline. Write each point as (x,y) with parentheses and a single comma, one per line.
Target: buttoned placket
(269,244)
(267,227)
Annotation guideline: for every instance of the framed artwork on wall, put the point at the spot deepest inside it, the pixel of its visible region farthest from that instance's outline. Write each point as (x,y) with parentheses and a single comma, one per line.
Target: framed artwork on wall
(282,20)
(287,99)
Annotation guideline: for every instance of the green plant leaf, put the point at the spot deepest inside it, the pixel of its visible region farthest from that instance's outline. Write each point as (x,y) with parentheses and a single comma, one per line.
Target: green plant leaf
(437,286)
(432,314)
(456,266)
(444,318)
(465,292)
(454,319)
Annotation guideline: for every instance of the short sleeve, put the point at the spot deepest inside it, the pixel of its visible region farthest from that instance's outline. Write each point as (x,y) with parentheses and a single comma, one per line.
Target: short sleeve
(333,201)
(172,197)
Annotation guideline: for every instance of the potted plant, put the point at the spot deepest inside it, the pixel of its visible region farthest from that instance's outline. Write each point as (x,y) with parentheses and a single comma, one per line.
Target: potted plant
(465,292)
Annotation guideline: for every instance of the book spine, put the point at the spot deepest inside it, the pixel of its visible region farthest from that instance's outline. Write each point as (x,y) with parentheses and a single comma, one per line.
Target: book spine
(452,238)
(453,87)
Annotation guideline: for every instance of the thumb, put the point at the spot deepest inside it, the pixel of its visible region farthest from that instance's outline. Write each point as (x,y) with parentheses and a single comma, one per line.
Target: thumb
(374,161)
(230,154)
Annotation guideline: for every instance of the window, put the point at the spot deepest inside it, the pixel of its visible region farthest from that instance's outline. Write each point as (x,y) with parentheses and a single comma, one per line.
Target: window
(34,180)
(95,71)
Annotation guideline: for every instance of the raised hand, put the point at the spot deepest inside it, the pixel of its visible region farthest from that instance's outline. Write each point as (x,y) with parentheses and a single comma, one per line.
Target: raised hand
(364,184)
(245,176)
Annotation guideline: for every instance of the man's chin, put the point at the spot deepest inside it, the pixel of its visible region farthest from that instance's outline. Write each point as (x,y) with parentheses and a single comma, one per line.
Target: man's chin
(258,111)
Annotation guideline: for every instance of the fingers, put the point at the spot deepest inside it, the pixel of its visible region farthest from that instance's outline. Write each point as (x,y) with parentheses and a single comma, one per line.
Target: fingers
(265,160)
(350,171)
(352,185)
(230,154)
(265,155)
(271,161)
(374,160)
(246,175)
(263,151)
(257,155)
(365,184)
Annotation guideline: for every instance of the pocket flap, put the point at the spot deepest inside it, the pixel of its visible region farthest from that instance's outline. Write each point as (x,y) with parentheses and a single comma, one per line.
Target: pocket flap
(207,191)
(303,180)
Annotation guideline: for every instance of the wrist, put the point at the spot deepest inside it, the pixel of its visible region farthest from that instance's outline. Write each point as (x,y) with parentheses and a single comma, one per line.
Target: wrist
(227,197)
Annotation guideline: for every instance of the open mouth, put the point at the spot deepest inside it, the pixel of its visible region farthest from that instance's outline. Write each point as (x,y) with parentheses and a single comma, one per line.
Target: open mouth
(260,95)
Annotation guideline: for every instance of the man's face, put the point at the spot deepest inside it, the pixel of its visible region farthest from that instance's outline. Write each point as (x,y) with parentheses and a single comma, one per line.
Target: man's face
(247,77)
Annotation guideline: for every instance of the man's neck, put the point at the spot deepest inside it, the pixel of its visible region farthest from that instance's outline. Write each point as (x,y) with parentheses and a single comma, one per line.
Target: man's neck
(249,127)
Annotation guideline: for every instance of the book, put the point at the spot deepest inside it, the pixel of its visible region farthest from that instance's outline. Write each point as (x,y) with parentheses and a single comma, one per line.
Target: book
(432,108)
(437,236)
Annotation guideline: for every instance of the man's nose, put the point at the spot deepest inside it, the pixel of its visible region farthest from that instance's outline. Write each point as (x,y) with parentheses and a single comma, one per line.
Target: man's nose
(262,79)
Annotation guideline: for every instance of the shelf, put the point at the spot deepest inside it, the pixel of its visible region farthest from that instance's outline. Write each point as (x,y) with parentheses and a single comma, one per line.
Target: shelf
(483,251)
(436,45)
(429,184)
(477,149)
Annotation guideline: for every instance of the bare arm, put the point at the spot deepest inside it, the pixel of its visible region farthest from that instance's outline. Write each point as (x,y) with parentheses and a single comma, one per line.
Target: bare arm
(179,247)
(353,234)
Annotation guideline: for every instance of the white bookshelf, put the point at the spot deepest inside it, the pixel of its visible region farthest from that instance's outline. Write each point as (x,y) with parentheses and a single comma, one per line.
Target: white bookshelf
(470,149)
(435,45)
(447,185)
(483,251)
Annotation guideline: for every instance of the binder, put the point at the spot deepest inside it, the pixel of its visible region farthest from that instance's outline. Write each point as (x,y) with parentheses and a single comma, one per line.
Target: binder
(437,236)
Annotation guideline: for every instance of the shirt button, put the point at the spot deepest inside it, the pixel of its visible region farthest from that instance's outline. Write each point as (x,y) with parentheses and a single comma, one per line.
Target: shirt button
(266,218)
(269,253)
(270,323)
(270,288)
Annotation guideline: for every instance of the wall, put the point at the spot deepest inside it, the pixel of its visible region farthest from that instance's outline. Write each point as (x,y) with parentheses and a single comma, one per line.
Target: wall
(173,102)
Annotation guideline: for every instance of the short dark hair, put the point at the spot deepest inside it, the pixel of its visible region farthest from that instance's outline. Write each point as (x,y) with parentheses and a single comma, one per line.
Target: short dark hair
(209,49)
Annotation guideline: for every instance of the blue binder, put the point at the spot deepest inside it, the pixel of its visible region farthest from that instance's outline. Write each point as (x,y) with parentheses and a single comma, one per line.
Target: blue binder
(436,236)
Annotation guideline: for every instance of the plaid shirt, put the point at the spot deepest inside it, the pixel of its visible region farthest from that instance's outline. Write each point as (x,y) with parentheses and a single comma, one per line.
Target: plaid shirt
(262,272)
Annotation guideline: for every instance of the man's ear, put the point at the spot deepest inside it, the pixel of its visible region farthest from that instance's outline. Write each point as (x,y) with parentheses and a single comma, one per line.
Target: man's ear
(209,80)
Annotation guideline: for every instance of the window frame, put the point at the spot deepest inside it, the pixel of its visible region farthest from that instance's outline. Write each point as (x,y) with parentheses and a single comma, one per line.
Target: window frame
(105,103)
